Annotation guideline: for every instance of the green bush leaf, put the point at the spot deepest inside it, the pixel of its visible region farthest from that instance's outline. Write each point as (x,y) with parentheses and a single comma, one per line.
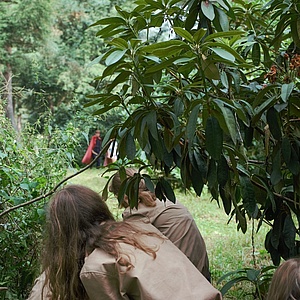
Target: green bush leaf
(192,124)
(286,149)
(248,196)
(289,232)
(213,138)
(223,53)
(222,171)
(273,121)
(130,146)
(210,70)
(115,57)
(184,34)
(229,119)
(167,190)
(256,54)
(208,9)
(286,91)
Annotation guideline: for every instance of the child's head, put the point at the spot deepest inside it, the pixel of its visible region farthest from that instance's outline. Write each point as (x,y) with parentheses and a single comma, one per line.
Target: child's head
(285,284)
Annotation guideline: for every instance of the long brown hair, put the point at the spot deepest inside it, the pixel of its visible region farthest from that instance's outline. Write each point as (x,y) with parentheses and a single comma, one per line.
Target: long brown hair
(285,283)
(78,221)
(145,196)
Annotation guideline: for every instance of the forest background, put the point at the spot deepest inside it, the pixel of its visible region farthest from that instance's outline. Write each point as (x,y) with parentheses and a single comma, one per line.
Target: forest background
(200,94)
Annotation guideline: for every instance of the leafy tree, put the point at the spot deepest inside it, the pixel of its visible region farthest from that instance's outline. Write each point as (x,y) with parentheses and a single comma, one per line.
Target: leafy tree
(212,89)
(24,25)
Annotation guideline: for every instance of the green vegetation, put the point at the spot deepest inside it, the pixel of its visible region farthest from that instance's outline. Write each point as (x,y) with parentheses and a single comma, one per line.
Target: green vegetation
(203,95)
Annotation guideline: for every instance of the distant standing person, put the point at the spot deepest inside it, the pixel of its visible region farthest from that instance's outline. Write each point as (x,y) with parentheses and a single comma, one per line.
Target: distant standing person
(173,220)
(93,149)
(111,154)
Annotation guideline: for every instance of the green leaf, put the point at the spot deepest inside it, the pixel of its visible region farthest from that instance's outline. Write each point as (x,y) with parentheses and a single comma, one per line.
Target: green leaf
(222,4)
(222,171)
(121,78)
(165,49)
(148,182)
(208,9)
(256,54)
(276,175)
(212,174)
(213,138)
(253,275)
(130,146)
(167,190)
(119,43)
(294,164)
(192,124)
(228,118)
(223,53)
(217,35)
(289,232)
(248,196)
(231,283)
(197,181)
(184,34)
(210,70)
(273,121)
(225,199)
(286,149)
(151,121)
(199,34)
(223,20)
(109,21)
(115,57)
(286,91)
(262,108)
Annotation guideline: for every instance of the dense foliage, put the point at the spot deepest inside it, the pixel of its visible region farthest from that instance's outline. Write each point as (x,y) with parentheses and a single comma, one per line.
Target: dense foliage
(31,165)
(212,89)
(208,89)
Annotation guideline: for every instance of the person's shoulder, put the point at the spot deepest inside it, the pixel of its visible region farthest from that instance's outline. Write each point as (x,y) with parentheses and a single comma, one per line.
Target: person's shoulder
(98,261)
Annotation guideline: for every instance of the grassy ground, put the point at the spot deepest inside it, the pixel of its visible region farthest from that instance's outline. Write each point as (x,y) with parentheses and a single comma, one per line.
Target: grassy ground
(228,249)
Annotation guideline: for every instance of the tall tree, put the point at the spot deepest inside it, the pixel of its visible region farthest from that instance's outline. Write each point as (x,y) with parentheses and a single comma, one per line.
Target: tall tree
(24,25)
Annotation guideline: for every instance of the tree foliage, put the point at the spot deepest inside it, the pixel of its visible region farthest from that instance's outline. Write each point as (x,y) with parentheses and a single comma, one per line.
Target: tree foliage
(210,88)
(30,165)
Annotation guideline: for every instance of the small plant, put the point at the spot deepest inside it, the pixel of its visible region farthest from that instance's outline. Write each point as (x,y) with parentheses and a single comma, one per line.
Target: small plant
(259,278)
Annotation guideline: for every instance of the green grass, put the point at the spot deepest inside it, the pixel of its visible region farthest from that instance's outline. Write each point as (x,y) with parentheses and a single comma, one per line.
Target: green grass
(228,249)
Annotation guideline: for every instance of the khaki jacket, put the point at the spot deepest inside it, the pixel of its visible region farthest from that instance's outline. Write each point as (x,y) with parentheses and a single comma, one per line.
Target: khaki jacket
(178,225)
(169,276)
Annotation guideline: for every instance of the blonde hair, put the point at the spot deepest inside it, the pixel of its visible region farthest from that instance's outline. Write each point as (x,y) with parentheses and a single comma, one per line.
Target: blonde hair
(144,195)
(285,284)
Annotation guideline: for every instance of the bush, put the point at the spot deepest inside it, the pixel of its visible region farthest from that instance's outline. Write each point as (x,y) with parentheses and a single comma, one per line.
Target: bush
(31,165)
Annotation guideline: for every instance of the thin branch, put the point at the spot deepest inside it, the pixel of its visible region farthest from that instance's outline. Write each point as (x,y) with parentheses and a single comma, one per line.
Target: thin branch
(51,191)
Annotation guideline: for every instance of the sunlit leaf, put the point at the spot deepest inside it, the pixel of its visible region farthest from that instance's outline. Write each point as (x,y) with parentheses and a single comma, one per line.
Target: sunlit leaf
(208,9)
(286,91)
(223,53)
(115,57)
